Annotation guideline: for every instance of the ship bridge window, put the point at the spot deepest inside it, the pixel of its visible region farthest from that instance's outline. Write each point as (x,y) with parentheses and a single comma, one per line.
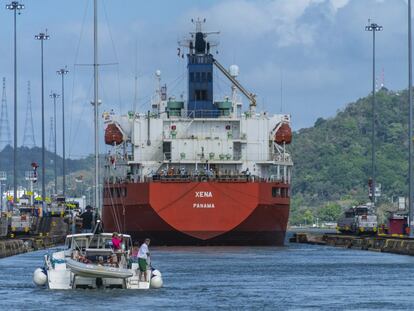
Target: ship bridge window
(200,95)
(197,77)
(209,77)
(203,77)
(191,76)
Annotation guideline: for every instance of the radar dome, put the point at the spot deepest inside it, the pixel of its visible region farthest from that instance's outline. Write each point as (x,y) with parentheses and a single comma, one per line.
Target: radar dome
(158,73)
(234,70)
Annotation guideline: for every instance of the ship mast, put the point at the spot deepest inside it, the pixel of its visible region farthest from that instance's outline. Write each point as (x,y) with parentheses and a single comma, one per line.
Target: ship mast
(96,103)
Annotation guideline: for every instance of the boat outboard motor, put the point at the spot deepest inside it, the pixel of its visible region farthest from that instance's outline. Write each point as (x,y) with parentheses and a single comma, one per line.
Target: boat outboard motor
(40,277)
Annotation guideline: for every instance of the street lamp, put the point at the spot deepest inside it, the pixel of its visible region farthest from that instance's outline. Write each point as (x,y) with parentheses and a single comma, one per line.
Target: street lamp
(3,177)
(62,72)
(16,7)
(410,133)
(54,96)
(42,37)
(373,28)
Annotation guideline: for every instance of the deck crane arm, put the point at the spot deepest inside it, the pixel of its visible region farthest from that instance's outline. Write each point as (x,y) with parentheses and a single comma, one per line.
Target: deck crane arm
(250,96)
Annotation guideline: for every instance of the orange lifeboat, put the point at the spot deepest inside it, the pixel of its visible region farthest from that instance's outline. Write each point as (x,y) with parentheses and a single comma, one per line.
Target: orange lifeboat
(113,135)
(283,134)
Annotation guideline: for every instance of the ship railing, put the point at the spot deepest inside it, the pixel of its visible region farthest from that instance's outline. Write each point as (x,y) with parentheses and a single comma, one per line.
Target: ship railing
(205,178)
(282,157)
(235,156)
(200,114)
(196,178)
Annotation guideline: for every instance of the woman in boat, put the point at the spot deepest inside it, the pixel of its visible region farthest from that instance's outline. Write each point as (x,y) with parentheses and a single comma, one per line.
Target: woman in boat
(116,241)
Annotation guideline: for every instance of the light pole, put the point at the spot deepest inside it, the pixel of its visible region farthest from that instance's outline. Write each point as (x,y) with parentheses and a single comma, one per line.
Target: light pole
(410,134)
(96,103)
(54,96)
(16,7)
(42,37)
(374,28)
(3,177)
(62,72)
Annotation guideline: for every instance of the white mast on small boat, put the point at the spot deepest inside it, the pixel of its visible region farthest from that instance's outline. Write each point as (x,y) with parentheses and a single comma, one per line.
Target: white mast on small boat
(96,103)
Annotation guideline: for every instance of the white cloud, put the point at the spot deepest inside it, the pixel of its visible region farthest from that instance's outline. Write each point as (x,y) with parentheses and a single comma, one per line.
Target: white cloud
(280,18)
(338,4)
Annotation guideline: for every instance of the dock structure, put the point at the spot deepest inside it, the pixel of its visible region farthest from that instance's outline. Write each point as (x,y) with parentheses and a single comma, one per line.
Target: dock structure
(51,232)
(395,244)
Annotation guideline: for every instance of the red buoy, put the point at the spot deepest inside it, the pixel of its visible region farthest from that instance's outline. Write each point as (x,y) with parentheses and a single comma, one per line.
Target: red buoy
(283,134)
(113,135)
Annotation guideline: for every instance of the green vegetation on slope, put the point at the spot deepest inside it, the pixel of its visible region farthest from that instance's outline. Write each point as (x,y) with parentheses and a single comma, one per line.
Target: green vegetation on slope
(26,156)
(333,158)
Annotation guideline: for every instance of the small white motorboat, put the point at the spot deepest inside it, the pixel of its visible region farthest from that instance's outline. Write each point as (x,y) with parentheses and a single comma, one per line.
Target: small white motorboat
(97,271)
(88,261)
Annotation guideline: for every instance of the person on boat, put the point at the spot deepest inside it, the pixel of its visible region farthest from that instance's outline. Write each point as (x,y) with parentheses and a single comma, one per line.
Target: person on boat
(87,219)
(116,242)
(113,261)
(134,252)
(143,255)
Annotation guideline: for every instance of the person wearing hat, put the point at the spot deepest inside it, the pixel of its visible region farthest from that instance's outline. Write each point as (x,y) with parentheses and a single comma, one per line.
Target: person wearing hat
(87,219)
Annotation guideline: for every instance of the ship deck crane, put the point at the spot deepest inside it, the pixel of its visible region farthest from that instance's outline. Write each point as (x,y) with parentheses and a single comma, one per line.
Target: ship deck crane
(250,96)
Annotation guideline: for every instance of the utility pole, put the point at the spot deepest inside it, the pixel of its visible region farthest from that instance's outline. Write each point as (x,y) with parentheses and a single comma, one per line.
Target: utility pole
(410,134)
(54,96)
(374,28)
(16,7)
(62,72)
(42,37)
(3,177)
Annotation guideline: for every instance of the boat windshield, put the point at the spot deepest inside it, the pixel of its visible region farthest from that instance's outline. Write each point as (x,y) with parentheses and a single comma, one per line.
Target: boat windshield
(95,241)
(79,243)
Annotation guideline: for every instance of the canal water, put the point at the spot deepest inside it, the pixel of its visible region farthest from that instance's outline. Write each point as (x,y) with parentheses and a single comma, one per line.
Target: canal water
(294,277)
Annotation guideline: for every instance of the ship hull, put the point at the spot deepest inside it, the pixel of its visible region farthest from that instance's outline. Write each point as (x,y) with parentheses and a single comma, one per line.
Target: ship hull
(199,213)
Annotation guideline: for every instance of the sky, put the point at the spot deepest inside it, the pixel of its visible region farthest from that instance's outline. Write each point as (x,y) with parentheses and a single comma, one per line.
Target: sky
(307,58)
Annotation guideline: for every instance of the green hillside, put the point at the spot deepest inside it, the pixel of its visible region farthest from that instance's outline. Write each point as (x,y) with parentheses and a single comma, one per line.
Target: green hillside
(333,158)
(25,156)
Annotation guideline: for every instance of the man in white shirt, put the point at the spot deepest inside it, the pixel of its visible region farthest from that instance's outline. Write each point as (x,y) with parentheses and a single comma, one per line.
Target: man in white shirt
(143,255)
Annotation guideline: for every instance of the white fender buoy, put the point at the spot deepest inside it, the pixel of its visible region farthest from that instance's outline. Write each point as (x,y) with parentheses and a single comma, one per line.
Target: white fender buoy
(39,277)
(156,282)
(156,273)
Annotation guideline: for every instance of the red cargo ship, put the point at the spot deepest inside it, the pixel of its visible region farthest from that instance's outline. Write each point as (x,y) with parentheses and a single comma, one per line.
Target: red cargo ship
(199,172)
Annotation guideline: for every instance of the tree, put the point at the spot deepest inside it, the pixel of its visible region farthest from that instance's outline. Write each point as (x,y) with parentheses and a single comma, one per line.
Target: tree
(330,212)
